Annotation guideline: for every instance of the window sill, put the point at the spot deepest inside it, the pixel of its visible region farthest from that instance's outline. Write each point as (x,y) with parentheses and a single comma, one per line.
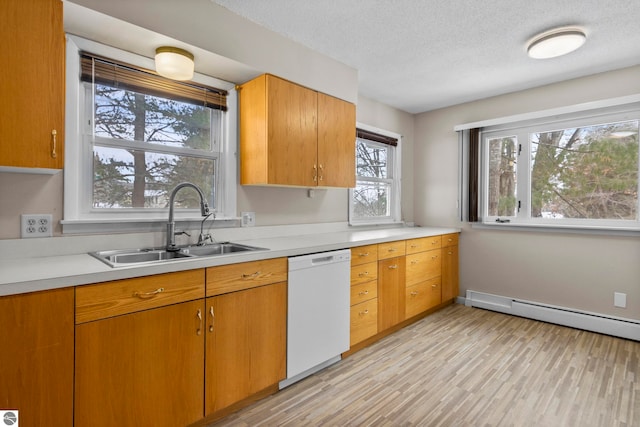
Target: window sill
(571,229)
(102,226)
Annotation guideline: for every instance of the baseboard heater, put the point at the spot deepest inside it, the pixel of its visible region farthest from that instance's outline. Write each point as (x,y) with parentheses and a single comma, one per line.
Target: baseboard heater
(619,327)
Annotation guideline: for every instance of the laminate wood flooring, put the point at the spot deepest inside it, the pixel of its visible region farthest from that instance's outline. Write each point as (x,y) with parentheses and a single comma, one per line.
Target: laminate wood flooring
(465,366)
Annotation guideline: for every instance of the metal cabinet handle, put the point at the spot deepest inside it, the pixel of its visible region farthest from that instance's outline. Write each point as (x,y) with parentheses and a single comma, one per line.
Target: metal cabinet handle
(363,254)
(54,143)
(414,261)
(392,249)
(321,171)
(147,295)
(414,293)
(434,257)
(255,275)
(213,318)
(199,315)
(315,173)
(393,267)
(364,273)
(362,313)
(364,292)
(434,242)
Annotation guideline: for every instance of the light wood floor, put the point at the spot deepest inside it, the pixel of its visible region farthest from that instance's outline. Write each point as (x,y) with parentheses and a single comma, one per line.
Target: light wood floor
(467,367)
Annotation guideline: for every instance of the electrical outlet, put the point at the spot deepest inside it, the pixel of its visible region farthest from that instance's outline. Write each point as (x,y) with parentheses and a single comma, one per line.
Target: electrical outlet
(248,219)
(620,299)
(36,225)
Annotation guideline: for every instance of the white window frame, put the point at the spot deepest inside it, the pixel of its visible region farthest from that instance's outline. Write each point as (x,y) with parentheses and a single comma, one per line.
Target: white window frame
(79,217)
(522,130)
(396,178)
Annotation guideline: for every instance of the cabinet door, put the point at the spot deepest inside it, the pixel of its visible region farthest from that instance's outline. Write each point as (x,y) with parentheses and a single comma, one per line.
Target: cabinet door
(32,84)
(245,344)
(292,133)
(423,266)
(36,360)
(391,292)
(143,368)
(364,321)
(450,275)
(336,142)
(364,254)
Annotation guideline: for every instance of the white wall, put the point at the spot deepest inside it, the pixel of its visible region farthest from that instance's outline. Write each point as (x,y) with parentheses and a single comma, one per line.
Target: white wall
(379,115)
(237,48)
(578,271)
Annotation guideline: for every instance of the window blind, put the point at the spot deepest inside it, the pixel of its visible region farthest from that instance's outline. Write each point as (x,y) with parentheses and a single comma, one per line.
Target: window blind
(372,136)
(96,69)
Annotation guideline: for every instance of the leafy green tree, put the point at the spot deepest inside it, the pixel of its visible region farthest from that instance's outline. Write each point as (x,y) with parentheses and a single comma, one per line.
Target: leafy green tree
(586,173)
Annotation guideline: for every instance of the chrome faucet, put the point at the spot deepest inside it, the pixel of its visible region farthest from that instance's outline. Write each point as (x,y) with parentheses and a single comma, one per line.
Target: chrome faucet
(171,225)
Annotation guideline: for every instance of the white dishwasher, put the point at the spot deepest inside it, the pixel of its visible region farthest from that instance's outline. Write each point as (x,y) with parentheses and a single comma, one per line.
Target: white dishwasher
(318,312)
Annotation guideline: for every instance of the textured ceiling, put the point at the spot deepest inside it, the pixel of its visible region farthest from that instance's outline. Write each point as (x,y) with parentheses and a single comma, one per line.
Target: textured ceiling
(420,55)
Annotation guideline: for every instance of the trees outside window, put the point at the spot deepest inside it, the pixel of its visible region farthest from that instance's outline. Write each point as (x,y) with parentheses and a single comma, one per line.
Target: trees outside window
(145,145)
(582,173)
(376,197)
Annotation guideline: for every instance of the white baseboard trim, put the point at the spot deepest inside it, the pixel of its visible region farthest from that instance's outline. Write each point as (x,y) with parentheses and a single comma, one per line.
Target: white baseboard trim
(595,322)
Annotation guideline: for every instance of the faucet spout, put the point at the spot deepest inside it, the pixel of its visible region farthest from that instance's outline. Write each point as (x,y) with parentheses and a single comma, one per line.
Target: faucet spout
(171,225)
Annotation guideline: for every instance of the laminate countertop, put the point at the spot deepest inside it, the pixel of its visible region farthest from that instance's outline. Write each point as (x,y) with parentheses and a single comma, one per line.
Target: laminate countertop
(29,274)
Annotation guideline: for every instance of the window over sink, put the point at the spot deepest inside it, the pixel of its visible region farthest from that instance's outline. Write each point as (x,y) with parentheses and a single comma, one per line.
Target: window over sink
(139,135)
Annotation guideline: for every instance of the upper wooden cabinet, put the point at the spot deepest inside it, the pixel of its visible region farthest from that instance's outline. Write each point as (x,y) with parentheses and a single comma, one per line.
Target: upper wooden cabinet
(336,142)
(294,136)
(32,84)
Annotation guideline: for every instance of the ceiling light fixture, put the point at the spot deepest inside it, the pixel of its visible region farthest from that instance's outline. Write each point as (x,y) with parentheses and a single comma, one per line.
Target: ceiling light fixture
(174,63)
(556,42)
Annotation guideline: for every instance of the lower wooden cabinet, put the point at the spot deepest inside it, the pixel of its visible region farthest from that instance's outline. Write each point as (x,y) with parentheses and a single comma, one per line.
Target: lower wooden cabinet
(423,296)
(391,292)
(450,275)
(246,344)
(36,360)
(364,320)
(143,368)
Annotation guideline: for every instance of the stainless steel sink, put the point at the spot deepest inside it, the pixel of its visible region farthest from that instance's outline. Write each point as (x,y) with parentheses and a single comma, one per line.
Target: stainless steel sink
(119,258)
(218,249)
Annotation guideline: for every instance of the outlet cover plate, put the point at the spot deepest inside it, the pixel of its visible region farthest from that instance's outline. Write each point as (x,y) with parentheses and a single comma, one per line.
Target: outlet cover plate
(248,219)
(36,225)
(620,299)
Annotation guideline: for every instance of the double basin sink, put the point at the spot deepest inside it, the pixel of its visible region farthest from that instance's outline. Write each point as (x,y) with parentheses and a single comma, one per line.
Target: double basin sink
(120,258)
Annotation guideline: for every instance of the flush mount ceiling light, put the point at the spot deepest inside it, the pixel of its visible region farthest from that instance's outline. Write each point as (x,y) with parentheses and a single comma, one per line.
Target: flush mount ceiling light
(174,63)
(557,42)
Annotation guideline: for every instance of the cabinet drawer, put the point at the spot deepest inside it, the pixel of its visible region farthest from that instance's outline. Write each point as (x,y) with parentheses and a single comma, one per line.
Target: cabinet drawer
(364,292)
(364,321)
(423,266)
(236,277)
(391,249)
(423,244)
(118,297)
(364,273)
(364,254)
(450,239)
(422,297)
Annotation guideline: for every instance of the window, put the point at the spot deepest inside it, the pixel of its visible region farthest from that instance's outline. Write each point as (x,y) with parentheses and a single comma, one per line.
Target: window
(575,171)
(376,197)
(140,135)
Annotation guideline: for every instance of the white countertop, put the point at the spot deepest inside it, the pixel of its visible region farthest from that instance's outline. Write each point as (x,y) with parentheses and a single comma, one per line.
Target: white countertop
(28,274)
